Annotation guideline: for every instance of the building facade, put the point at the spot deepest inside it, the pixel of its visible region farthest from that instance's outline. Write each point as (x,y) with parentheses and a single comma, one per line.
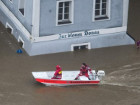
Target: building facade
(52,26)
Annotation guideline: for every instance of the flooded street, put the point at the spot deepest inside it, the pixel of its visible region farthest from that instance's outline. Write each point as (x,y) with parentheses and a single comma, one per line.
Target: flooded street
(121,85)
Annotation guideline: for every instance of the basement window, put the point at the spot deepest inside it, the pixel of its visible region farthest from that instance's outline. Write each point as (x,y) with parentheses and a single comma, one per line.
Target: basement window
(21,42)
(82,46)
(9,28)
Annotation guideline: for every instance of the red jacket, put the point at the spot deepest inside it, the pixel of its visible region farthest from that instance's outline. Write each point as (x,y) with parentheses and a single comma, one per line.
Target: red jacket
(58,73)
(85,70)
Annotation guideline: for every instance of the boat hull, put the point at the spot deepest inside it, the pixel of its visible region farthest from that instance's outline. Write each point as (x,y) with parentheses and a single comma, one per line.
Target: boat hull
(68,78)
(57,82)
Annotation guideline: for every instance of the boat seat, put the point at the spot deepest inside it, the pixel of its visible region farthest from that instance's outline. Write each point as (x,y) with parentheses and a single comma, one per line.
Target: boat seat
(83,78)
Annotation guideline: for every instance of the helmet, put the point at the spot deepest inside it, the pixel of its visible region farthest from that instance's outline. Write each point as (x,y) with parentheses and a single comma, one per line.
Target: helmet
(57,66)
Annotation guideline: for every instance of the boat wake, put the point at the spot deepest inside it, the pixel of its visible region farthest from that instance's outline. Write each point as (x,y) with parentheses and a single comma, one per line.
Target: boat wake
(127,76)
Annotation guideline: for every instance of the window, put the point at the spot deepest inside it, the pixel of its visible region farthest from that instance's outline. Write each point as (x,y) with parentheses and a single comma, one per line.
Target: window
(64,12)
(11,1)
(9,28)
(21,6)
(101,9)
(21,42)
(82,46)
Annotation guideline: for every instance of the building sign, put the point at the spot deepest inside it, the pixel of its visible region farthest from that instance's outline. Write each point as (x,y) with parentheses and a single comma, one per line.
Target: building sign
(70,35)
(78,34)
(90,33)
(81,34)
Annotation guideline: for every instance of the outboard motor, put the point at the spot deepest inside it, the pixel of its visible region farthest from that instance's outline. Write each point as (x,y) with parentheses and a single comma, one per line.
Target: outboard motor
(100,74)
(93,75)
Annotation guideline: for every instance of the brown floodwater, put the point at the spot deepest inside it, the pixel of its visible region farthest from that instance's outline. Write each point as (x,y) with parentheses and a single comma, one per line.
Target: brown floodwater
(121,85)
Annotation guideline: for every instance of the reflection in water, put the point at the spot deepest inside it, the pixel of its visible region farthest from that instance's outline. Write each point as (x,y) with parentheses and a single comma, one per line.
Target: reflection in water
(64,89)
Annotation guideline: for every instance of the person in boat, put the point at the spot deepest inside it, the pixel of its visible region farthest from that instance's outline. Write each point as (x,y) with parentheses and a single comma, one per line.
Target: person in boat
(84,71)
(58,73)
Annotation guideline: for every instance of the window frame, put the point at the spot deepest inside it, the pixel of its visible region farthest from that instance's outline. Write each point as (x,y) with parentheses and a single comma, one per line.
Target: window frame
(19,7)
(64,21)
(101,17)
(11,1)
(88,45)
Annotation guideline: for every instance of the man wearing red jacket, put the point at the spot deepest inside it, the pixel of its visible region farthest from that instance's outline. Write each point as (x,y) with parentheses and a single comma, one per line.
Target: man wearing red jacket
(84,71)
(58,73)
